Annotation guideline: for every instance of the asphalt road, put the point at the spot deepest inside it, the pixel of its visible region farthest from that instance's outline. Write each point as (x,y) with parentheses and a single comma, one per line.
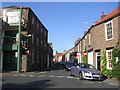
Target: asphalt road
(57,77)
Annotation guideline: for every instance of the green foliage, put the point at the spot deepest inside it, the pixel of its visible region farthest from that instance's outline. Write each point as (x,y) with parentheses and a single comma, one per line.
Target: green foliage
(84,59)
(115,72)
(105,71)
(116,65)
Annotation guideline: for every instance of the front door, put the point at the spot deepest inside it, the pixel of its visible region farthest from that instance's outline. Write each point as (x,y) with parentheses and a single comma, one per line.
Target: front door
(98,63)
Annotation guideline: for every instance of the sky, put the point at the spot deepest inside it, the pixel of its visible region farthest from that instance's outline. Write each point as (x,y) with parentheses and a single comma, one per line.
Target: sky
(66,21)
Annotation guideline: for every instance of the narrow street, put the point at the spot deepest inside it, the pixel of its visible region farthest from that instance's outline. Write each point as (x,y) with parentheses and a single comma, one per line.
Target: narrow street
(57,77)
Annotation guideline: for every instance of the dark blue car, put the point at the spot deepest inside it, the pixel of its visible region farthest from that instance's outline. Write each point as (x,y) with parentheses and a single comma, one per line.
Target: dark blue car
(68,65)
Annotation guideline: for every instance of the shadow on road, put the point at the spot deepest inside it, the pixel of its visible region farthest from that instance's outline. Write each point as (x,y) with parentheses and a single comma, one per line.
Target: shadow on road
(35,84)
(55,67)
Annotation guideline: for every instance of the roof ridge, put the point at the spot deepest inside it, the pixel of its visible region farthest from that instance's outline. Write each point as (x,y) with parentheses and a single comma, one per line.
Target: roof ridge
(113,13)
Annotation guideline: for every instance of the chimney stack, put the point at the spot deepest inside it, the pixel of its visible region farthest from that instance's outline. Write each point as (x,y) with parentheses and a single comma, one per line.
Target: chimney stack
(102,16)
(96,21)
(85,32)
(102,13)
(65,51)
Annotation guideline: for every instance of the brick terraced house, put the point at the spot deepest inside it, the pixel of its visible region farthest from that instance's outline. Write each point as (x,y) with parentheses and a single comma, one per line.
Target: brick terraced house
(25,40)
(100,37)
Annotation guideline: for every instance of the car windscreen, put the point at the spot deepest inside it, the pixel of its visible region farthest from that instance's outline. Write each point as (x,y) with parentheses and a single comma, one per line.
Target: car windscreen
(70,64)
(86,66)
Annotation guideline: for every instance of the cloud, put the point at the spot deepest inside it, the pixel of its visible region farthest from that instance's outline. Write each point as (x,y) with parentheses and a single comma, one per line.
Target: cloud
(81,29)
(85,22)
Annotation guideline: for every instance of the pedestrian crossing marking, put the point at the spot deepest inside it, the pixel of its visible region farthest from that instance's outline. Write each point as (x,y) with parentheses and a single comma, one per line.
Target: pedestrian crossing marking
(41,75)
(60,76)
(42,72)
(51,76)
(76,78)
(32,75)
(69,77)
(15,75)
(23,75)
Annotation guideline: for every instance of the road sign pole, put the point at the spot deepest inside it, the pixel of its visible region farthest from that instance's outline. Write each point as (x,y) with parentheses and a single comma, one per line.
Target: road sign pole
(19,42)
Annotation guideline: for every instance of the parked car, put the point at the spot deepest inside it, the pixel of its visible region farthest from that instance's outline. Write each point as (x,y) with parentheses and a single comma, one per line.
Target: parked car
(86,71)
(68,65)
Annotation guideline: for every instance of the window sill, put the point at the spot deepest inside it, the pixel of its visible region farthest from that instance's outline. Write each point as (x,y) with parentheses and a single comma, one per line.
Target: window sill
(89,45)
(109,68)
(109,39)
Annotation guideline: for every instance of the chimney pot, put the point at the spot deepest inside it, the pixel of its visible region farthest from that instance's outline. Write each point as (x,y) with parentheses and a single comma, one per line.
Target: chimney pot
(96,21)
(102,13)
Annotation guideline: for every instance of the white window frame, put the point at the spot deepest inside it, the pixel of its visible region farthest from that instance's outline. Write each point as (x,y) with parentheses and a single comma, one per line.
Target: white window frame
(107,51)
(106,30)
(84,44)
(12,17)
(89,39)
(97,54)
(80,46)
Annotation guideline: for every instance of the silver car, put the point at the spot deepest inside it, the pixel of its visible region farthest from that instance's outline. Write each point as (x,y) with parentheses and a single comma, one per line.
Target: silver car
(86,71)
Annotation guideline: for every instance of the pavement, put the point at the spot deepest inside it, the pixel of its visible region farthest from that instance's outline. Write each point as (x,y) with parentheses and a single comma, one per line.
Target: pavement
(114,82)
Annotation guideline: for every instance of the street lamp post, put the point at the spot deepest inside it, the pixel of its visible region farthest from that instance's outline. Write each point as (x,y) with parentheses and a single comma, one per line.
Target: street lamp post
(19,42)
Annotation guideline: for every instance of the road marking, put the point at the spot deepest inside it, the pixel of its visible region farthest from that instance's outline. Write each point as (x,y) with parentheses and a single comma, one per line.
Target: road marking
(31,75)
(15,75)
(69,77)
(42,72)
(51,76)
(76,78)
(41,75)
(59,76)
(23,75)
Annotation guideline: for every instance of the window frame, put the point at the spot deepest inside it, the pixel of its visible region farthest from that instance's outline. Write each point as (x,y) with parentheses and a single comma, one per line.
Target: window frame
(106,35)
(33,37)
(37,26)
(89,42)
(33,20)
(37,41)
(107,51)
(84,44)
(13,18)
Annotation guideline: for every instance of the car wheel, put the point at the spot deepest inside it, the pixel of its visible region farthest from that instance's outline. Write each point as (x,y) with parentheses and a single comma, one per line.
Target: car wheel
(80,76)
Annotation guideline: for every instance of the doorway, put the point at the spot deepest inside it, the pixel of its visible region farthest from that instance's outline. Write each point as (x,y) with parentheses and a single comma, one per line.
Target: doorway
(98,61)
(9,61)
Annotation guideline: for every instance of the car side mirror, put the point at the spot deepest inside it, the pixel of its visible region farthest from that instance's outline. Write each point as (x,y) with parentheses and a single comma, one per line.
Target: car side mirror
(76,64)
